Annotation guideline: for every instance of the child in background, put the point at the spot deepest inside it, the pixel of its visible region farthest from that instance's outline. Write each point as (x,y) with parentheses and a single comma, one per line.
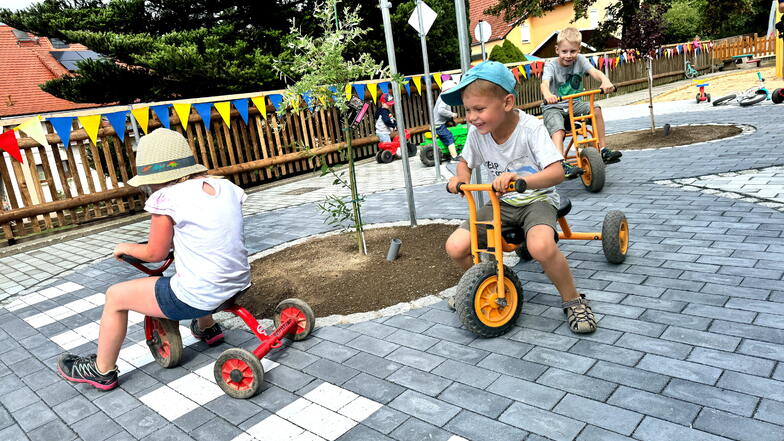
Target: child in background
(385,122)
(202,217)
(563,76)
(443,114)
(514,145)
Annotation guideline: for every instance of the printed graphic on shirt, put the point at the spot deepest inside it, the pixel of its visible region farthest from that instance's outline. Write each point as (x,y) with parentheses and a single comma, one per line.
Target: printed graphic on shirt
(523,166)
(572,85)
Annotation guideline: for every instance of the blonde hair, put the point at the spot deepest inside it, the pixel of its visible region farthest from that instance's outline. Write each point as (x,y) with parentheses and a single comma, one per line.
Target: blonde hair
(570,34)
(482,87)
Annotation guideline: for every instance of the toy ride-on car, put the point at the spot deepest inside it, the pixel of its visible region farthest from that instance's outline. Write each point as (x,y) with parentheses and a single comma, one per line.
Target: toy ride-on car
(387,150)
(489,296)
(426,153)
(586,155)
(237,371)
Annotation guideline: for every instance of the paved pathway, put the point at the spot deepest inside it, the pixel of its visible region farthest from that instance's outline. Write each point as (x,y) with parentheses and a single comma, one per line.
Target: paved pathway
(689,344)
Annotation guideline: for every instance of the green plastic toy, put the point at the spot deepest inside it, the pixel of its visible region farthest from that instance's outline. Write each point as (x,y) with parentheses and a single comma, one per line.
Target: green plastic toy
(426,154)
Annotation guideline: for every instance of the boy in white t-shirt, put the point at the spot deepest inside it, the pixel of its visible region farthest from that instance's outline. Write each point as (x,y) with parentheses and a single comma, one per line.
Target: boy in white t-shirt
(512,145)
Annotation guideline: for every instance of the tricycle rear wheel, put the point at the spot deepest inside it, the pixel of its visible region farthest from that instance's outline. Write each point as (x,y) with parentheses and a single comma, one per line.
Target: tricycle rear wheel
(166,343)
(615,236)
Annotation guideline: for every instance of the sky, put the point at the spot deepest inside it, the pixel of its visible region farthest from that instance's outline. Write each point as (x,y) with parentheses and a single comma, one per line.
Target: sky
(17,4)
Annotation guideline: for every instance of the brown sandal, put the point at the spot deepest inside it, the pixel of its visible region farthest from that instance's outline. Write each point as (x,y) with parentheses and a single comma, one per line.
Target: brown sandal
(579,315)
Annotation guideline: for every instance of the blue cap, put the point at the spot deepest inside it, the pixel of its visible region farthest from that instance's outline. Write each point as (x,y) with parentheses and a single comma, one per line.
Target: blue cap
(492,71)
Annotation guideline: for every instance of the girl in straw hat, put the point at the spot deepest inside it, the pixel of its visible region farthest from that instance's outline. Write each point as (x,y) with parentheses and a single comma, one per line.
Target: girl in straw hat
(202,218)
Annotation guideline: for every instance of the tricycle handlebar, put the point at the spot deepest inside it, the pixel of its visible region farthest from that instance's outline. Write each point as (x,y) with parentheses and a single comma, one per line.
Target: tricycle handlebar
(518,185)
(585,93)
(141,264)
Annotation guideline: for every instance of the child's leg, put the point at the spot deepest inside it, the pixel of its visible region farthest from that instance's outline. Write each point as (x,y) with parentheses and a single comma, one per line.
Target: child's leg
(558,140)
(542,247)
(447,139)
(458,246)
(134,295)
(205,322)
(599,127)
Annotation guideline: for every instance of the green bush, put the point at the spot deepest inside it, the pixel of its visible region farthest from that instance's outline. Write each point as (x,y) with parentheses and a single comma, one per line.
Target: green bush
(507,53)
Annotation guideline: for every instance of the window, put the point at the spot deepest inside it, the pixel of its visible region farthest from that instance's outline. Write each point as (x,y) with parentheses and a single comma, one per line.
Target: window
(594,16)
(525,32)
(21,35)
(59,44)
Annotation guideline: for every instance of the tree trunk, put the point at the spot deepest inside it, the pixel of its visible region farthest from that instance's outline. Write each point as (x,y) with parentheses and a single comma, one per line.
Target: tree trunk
(352,180)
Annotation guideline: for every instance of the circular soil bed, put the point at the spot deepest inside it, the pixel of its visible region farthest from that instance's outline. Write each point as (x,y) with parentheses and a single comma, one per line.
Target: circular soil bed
(682,135)
(333,278)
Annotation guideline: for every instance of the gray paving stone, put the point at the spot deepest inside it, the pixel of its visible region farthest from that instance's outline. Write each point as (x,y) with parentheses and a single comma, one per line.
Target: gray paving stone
(512,366)
(634,326)
(593,433)
(700,338)
(629,376)
(736,362)
(606,352)
(458,352)
(380,367)
(654,429)
(654,303)
(655,346)
(680,369)
(749,331)
(562,360)
(694,297)
(599,414)
(422,406)
(332,351)
(479,428)
(737,291)
(215,430)
(372,345)
(408,323)
(444,317)
(56,393)
(169,432)
(54,430)
(526,392)
(680,320)
(232,410)
(116,403)
(676,411)
(363,433)
(373,329)
(291,357)
(736,427)
(324,369)
(415,429)
(577,384)
(710,396)
(721,313)
(412,339)
(75,409)
(97,426)
(376,389)
(18,398)
(450,333)
(475,400)
(414,358)
(528,320)
(194,418)
(33,416)
(749,384)
(541,422)
(141,421)
(420,381)
(335,334)
(13,433)
(385,420)
(771,411)
(546,339)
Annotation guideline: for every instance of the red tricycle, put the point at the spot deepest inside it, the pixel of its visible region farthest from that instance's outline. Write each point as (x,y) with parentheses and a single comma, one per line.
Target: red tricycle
(237,371)
(387,150)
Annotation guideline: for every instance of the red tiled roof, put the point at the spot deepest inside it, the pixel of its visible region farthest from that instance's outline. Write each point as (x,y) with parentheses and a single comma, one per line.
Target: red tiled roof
(498,25)
(23,66)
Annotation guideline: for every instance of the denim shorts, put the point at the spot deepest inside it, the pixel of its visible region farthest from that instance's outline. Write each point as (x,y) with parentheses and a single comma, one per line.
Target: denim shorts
(172,307)
(445,135)
(383,137)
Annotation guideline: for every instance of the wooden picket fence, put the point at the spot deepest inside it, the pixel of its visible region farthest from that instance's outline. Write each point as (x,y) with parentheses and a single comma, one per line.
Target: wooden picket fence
(58,187)
(753,44)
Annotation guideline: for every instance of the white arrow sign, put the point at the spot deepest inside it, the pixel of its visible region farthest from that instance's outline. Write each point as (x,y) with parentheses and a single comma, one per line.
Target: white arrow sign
(428,18)
(482,31)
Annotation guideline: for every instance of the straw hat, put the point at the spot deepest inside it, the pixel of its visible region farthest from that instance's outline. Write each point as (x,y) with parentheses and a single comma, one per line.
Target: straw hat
(164,155)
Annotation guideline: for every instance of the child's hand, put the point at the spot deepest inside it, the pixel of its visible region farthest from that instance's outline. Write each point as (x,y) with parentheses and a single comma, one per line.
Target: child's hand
(501,183)
(550,98)
(452,185)
(119,250)
(606,87)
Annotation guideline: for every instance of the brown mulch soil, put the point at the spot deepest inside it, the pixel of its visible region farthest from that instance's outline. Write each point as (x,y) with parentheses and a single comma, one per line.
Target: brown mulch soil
(333,278)
(643,139)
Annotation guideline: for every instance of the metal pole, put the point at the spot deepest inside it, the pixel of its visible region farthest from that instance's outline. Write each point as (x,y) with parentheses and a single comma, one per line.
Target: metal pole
(401,126)
(135,129)
(462,35)
(650,93)
(429,90)
(480,196)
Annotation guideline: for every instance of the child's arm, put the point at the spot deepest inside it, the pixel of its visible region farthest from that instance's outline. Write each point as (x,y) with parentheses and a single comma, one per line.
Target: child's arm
(598,75)
(550,176)
(386,117)
(463,175)
(545,88)
(158,243)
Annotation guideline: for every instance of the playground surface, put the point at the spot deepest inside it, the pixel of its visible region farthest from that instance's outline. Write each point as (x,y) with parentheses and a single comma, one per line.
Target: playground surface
(689,345)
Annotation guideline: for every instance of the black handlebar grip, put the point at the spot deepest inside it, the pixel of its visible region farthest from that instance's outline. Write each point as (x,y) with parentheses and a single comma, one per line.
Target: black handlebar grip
(132,260)
(520,185)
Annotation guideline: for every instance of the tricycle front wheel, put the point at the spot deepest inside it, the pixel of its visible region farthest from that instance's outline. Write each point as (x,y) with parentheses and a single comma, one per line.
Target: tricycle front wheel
(239,373)
(593,169)
(479,303)
(298,311)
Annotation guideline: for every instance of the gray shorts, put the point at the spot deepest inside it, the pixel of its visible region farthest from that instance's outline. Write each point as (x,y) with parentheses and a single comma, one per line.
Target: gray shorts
(536,213)
(553,117)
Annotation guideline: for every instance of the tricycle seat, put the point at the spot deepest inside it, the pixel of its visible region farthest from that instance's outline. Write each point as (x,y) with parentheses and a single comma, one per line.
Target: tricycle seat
(230,301)
(516,236)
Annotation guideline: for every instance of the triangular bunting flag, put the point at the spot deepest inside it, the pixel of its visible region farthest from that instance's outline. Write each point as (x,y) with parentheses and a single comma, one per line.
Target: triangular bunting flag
(277,100)
(516,74)
(9,143)
(205,112)
(527,68)
(242,106)
(384,87)
(334,93)
(522,71)
(162,111)
(117,121)
(261,104)
(32,128)
(593,62)
(224,110)
(360,88)
(91,124)
(183,111)
(418,83)
(407,85)
(373,89)
(437,77)
(308,100)
(62,126)
(142,116)
(601,63)
(348,92)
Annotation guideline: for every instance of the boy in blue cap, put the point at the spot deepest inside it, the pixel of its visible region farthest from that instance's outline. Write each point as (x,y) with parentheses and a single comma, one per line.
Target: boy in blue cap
(514,145)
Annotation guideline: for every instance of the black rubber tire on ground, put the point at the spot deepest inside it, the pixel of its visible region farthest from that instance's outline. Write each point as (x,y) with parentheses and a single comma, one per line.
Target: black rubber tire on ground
(427,156)
(523,254)
(698,98)
(307,319)
(724,99)
(166,345)
(378,156)
(480,277)
(593,166)
(615,236)
(239,373)
(385,156)
(707,95)
(778,96)
(757,98)
(412,149)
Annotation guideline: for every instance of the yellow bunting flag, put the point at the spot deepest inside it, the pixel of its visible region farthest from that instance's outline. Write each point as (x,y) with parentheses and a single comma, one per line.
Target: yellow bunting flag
(32,128)
(437,77)
(91,124)
(348,92)
(261,104)
(521,69)
(224,110)
(418,83)
(142,115)
(183,111)
(373,88)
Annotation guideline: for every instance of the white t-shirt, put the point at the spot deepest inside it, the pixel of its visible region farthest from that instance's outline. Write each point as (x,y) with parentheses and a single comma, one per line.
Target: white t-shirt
(527,151)
(211,259)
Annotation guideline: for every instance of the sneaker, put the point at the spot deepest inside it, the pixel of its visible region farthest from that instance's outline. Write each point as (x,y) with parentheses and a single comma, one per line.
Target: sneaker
(450,302)
(84,370)
(571,171)
(212,335)
(579,315)
(611,156)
